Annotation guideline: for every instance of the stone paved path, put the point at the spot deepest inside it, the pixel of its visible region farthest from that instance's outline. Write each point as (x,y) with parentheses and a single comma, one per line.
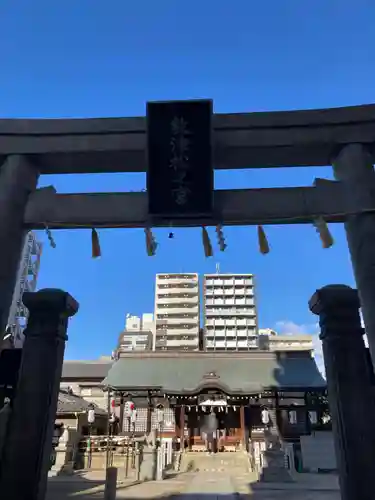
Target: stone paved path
(220,477)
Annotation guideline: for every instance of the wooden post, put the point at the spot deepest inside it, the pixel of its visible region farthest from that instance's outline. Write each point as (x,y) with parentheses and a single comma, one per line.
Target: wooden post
(277,409)
(121,416)
(307,415)
(110,483)
(242,425)
(182,428)
(149,414)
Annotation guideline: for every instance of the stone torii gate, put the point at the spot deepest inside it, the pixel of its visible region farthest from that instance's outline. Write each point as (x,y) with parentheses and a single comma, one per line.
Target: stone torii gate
(341,137)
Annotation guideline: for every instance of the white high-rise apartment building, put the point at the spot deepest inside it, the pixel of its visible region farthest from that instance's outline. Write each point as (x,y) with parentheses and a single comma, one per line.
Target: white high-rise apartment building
(176,312)
(230,315)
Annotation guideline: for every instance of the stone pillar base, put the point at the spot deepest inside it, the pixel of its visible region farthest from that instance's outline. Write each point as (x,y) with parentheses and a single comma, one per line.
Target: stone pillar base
(273,470)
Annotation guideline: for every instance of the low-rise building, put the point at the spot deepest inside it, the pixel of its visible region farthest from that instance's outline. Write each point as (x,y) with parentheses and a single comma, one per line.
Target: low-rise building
(139,323)
(84,379)
(137,340)
(286,342)
(138,333)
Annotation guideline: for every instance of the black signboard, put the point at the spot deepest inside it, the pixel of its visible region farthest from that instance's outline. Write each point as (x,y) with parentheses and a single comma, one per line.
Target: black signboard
(180,168)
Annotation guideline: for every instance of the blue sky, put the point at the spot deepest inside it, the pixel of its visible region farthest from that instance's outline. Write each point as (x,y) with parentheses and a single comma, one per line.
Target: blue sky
(89,59)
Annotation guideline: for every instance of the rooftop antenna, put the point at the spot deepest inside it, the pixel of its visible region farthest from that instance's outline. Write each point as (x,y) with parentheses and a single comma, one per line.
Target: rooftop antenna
(217,268)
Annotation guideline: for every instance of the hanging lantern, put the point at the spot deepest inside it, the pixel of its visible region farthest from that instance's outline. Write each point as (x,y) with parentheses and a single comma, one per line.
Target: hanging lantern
(293,417)
(91,416)
(313,417)
(265,416)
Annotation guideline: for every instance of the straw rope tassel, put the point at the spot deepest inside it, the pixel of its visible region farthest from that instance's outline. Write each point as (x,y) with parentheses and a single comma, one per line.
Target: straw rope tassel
(264,247)
(150,242)
(95,244)
(220,238)
(206,243)
(324,233)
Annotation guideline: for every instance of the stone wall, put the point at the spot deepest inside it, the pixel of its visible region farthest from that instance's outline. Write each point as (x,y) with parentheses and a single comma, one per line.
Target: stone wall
(318,451)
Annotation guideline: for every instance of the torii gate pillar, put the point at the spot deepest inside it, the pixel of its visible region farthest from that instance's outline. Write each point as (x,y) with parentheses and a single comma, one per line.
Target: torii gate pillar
(353,167)
(18,179)
(28,443)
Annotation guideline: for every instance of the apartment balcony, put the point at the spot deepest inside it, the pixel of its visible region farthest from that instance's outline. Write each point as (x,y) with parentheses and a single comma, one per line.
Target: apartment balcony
(179,310)
(228,280)
(179,290)
(214,282)
(220,322)
(230,332)
(177,281)
(236,301)
(182,343)
(177,331)
(182,298)
(251,332)
(243,282)
(232,345)
(246,318)
(230,306)
(178,321)
(245,322)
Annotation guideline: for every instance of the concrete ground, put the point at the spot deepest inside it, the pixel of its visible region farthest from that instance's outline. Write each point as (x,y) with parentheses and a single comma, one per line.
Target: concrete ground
(220,477)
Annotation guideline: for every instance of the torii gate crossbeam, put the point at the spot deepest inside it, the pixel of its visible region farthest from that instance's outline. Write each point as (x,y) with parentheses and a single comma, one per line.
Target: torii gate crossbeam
(296,205)
(342,137)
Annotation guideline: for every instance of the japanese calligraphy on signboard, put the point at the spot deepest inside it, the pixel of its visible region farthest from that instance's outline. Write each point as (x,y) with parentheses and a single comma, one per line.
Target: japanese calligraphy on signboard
(180,168)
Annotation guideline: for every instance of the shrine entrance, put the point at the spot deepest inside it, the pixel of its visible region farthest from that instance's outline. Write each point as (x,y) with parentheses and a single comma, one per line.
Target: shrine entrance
(228,434)
(178,145)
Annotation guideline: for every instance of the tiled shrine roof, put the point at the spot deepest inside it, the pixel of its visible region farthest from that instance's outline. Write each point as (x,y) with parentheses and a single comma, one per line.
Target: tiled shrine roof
(179,373)
(86,370)
(71,403)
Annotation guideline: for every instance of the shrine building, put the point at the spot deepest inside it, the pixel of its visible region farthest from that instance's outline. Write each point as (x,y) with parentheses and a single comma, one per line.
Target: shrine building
(241,388)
